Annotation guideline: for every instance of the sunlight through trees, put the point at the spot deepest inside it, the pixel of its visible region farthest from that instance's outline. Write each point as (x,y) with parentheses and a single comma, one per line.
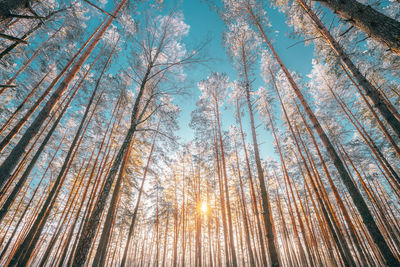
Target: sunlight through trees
(129,136)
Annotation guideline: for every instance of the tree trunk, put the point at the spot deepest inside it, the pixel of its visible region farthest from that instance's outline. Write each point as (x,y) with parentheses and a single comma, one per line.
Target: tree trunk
(252,190)
(242,201)
(90,228)
(267,214)
(134,215)
(25,250)
(380,27)
(12,160)
(100,256)
(358,200)
(228,208)
(222,204)
(374,95)
(39,151)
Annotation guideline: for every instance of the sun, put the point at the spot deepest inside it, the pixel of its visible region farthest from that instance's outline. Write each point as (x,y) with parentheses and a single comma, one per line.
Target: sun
(204,207)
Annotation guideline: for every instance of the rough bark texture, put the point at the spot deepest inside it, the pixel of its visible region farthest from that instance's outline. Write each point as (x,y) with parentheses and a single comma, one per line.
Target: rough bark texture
(375,24)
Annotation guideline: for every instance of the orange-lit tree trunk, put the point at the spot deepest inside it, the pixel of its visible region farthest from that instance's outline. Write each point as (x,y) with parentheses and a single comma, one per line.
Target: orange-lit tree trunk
(252,190)
(13,158)
(358,200)
(135,211)
(267,213)
(228,208)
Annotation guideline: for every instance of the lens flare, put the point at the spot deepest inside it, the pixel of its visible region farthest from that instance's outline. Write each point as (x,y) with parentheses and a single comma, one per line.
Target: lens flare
(204,207)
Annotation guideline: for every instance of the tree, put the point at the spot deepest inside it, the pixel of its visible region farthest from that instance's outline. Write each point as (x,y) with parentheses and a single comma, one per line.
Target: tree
(378,26)
(157,61)
(244,47)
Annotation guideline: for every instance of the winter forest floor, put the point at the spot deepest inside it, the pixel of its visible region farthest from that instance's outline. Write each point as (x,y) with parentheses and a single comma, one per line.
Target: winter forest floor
(199,133)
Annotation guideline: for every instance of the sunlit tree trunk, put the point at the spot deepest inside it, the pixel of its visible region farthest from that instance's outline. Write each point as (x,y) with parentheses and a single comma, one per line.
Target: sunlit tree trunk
(244,212)
(13,158)
(135,211)
(364,12)
(267,214)
(222,204)
(228,208)
(358,200)
(100,256)
(39,151)
(252,190)
(23,254)
(165,242)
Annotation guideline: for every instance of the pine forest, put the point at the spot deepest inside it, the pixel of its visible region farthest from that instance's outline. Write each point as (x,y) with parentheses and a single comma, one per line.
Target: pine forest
(199,133)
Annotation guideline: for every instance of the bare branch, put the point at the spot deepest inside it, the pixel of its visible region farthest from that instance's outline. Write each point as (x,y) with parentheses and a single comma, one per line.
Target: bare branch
(25,16)
(12,38)
(303,41)
(7,85)
(99,8)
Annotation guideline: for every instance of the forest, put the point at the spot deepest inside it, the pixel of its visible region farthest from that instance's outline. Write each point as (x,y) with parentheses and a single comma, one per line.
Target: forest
(199,133)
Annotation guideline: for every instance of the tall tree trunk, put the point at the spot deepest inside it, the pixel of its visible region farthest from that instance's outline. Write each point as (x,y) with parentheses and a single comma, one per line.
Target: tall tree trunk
(25,250)
(165,242)
(90,228)
(267,213)
(13,158)
(374,95)
(358,200)
(222,204)
(252,191)
(228,208)
(39,151)
(380,27)
(135,211)
(242,201)
(339,200)
(100,256)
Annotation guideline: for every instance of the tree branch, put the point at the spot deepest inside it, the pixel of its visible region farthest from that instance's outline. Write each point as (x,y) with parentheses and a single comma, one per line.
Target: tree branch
(99,8)
(12,38)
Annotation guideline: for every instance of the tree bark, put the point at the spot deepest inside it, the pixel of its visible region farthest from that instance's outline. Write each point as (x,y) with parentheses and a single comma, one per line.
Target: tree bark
(380,27)
(23,254)
(267,213)
(228,208)
(89,231)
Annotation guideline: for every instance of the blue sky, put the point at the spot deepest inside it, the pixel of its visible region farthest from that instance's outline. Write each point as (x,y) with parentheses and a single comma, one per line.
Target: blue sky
(205,23)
